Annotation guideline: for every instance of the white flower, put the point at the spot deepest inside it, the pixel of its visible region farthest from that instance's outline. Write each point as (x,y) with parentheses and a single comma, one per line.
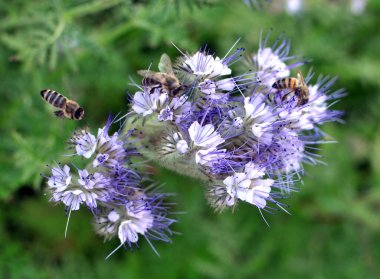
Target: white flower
(237,185)
(180,104)
(128,232)
(60,179)
(74,198)
(113,216)
(88,188)
(204,136)
(258,113)
(146,103)
(255,107)
(291,153)
(140,221)
(293,6)
(166,114)
(248,186)
(226,84)
(258,194)
(104,138)
(209,87)
(270,67)
(182,146)
(358,6)
(169,109)
(316,108)
(180,107)
(100,159)
(85,179)
(205,65)
(252,171)
(258,129)
(174,143)
(91,181)
(85,144)
(208,156)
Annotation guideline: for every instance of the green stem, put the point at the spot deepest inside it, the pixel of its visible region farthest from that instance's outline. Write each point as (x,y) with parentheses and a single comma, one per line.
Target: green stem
(126,27)
(57,32)
(110,36)
(90,8)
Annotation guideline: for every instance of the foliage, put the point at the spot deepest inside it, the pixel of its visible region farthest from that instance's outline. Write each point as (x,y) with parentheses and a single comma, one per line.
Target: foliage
(89,49)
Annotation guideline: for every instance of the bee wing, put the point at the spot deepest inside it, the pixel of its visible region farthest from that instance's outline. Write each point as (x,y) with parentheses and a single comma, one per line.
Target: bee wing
(301,80)
(165,65)
(146,73)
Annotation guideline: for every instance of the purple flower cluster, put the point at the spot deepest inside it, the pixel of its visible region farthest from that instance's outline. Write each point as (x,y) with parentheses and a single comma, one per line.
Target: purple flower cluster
(111,189)
(242,134)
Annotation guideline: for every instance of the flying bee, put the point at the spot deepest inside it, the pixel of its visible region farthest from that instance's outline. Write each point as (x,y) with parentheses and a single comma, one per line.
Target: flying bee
(165,79)
(296,85)
(68,108)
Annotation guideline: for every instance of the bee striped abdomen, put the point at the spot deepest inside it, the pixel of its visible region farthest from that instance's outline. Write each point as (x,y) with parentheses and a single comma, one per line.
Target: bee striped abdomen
(285,83)
(293,82)
(279,84)
(150,82)
(54,98)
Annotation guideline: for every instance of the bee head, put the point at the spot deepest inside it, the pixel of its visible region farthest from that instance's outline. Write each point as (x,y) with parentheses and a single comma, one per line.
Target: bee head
(79,113)
(171,81)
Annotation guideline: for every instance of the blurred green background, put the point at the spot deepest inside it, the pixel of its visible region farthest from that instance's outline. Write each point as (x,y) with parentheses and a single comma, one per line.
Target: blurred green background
(90,49)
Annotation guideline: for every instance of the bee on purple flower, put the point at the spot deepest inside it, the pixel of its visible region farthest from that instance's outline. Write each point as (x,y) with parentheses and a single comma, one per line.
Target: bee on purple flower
(245,136)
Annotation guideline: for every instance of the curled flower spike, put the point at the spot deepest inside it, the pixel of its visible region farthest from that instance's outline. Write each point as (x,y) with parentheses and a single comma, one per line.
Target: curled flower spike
(110,188)
(143,216)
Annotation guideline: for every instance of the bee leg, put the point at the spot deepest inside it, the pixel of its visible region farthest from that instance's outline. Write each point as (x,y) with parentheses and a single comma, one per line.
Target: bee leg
(178,90)
(59,113)
(153,88)
(283,98)
(300,101)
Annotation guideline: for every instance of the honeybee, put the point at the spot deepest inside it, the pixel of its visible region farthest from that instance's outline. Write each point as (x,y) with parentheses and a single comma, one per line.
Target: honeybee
(68,108)
(296,85)
(164,79)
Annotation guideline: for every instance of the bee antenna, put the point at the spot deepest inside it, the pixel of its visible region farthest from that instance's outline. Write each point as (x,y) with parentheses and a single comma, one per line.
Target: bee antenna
(179,50)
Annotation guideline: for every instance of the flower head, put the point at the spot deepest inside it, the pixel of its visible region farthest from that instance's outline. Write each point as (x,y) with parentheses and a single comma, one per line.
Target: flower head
(84,188)
(246,134)
(141,216)
(167,108)
(110,188)
(85,143)
(60,178)
(201,64)
(249,186)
